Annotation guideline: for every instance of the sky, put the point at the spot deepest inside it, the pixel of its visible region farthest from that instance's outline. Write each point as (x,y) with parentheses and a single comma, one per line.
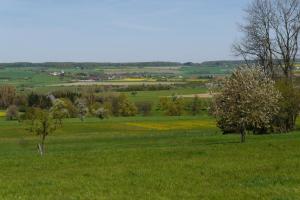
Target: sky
(118,30)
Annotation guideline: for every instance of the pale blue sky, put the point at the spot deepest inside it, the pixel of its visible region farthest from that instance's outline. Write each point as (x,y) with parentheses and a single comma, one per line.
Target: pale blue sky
(118,30)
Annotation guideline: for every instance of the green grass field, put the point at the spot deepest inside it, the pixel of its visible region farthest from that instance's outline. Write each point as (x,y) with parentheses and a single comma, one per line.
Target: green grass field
(156,157)
(206,70)
(28,77)
(147,158)
(154,96)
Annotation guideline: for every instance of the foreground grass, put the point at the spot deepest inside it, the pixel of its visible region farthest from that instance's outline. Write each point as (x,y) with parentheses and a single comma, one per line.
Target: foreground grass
(148,158)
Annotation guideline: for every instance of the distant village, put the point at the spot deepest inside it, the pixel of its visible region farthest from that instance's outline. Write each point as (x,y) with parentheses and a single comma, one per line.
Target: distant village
(95,77)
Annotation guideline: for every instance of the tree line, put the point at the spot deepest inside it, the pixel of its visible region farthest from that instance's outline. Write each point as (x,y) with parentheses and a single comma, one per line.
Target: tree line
(90,64)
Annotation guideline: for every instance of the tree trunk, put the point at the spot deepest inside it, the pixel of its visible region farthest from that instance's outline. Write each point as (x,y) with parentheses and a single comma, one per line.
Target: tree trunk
(40,149)
(243,136)
(41,146)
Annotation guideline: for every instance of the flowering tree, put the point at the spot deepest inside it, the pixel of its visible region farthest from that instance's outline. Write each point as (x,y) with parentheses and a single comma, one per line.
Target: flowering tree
(59,111)
(247,101)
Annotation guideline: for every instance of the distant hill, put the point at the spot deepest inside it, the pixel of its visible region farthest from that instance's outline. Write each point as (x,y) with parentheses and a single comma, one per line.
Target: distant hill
(90,64)
(220,63)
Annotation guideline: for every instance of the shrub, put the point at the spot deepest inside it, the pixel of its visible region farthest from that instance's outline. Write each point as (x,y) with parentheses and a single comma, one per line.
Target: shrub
(72,111)
(172,106)
(101,113)
(121,106)
(12,113)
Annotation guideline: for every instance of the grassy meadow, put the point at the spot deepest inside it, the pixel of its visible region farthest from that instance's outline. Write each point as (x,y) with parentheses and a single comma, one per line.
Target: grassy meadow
(147,158)
(155,95)
(156,157)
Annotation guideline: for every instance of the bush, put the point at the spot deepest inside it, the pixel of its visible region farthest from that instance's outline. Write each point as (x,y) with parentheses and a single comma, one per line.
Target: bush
(172,106)
(121,106)
(99,110)
(70,107)
(101,113)
(12,113)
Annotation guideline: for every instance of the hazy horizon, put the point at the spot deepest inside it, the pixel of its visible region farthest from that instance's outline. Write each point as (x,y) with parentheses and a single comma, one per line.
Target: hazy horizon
(118,30)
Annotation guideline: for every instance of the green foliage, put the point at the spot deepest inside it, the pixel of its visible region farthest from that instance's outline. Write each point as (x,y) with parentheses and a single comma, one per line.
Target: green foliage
(59,111)
(39,100)
(172,106)
(121,106)
(289,105)
(41,123)
(71,109)
(67,94)
(99,111)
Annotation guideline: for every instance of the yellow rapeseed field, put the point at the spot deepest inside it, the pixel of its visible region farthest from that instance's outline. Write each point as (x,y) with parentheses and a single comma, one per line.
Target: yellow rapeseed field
(137,79)
(178,125)
(2,113)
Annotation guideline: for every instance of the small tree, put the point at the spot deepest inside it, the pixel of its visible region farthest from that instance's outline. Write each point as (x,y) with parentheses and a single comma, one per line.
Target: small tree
(101,113)
(248,101)
(12,113)
(82,110)
(176,107)
(41,123)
